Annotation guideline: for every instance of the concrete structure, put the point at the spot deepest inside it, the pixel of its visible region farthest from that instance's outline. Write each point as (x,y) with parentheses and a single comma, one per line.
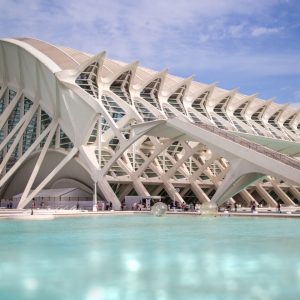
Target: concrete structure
(74,120)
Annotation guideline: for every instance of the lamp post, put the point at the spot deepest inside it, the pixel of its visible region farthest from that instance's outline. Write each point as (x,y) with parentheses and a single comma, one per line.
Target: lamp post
(95,197)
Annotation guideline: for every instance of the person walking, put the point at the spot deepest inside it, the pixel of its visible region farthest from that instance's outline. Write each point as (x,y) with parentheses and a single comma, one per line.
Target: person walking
(235,207)
(278,207)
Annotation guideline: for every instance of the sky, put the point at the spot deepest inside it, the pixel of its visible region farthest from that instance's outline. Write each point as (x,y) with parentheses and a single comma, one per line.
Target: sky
(252,45)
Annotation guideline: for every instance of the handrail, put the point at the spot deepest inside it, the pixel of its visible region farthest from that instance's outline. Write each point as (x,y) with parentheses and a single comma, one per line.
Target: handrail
(251,145)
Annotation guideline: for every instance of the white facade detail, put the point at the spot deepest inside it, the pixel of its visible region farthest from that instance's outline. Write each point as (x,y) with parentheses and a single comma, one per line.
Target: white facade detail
(80,120)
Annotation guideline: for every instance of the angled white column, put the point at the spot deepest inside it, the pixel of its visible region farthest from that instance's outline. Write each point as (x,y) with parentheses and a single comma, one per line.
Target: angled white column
(125,191)
(283,196)
(108,193)
(247,197)
(7,112)
(20,161)
(188,153)
(265,195)
(38,163)
(29,114)
(202,197)
(294,191)
(17,139)
(140,188)
(170,189)
(51,175)
(149,160)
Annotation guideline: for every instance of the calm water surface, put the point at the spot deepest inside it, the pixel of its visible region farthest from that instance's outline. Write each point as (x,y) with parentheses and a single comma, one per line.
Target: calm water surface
(146,257)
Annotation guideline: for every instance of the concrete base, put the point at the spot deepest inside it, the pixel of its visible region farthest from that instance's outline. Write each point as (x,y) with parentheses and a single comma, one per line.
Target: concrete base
(43,213)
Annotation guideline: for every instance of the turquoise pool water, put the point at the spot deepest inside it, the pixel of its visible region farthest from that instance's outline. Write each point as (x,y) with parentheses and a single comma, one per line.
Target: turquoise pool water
(146,257)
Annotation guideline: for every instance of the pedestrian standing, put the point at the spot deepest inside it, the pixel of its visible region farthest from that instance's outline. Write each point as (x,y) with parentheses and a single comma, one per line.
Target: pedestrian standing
(235,207)
(278,207)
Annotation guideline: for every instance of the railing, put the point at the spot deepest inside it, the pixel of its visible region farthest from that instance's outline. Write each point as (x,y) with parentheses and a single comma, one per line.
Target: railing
(251,145)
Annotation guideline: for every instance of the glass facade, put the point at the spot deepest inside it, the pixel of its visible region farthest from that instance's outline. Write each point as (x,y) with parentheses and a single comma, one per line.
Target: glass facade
(115,111)
(200,104)
(150,93)
(176,99)
(87,80)
(120,87)
(144,112)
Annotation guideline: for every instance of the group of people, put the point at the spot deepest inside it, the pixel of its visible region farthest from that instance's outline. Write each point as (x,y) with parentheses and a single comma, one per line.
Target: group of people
(184,206)
(8,203)
(34,204)
(229,206)
(100,205)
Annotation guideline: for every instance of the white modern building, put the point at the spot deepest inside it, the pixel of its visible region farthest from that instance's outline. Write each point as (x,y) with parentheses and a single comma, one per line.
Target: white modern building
(74,120)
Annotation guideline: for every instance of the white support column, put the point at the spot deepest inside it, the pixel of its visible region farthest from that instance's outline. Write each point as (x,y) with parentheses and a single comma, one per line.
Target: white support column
(127,144)
(5,115)
(24,157)
(95,197)
(57,137)
(16,141)
(133,152)
(108,193)
(265,195)
(125,191)
(15,129)
(158,189)
(136,180)
(148,160)
(38,123)
(294,191)
(65,160)
(185,190)
(39,162)
(20,146)
(99,140)
(283,196)
(164,161)
(170,189)
(247,197)
(201,196)
(202,168)
(140,188)
(4,127)
(187,157)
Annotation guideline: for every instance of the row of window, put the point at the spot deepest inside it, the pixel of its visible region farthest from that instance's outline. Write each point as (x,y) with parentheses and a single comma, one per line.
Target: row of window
(218,116)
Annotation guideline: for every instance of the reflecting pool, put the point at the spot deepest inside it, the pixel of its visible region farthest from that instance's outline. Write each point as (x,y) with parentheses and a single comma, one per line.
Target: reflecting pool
(146,257)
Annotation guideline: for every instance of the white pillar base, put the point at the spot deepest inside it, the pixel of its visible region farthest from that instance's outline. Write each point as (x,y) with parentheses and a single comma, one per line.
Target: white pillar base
(95,208)
(95,205)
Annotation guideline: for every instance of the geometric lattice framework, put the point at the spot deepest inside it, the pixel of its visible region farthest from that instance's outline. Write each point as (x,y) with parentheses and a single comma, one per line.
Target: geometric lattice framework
(77,120)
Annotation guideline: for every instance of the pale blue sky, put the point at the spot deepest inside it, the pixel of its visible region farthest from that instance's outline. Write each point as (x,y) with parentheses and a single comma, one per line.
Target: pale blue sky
(247,44)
